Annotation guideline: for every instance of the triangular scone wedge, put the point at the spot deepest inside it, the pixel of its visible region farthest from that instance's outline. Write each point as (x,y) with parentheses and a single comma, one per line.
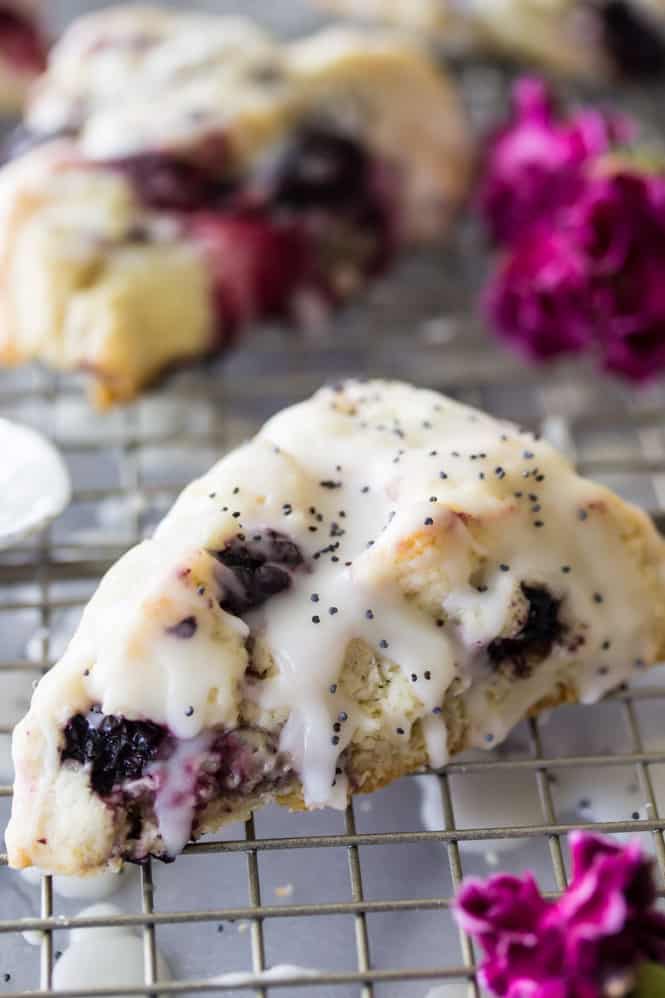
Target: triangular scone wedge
(381,578)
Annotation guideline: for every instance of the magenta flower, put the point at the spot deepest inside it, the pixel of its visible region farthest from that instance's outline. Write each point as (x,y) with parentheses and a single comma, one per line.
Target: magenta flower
(536,163)
(588,944)
(595,280)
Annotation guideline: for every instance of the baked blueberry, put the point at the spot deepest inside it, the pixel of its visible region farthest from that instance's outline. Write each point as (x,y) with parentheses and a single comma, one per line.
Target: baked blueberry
(117,749)
(256,569)
(533,642)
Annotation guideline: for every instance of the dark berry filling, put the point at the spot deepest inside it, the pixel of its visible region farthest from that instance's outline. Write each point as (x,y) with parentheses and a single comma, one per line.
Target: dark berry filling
(314,217)
(633,40)
(256,567)
(165,182)
(317,169)
(21,42)
(117,749)
(534,640)
(136,767)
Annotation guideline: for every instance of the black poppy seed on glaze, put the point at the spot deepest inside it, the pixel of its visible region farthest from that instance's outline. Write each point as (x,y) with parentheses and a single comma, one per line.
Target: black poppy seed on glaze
(314,597)
(481,475)
(437,710)
(440,622)
(343,716)
(189,712)
(337,726)
(427,674)
(369,614)
(606,645)
(538,523)
(442,474)
(597,598)
(504,567)
(429,521)
(365,489)
(212,495)
(582,514)
(316,619)
(328,483)
(400,731)
(518,495)
(333,610)
(383,643)
(414,677)
(332,688)
(565,569)
(433,453)
(86,672)
(335,739)
(603,670)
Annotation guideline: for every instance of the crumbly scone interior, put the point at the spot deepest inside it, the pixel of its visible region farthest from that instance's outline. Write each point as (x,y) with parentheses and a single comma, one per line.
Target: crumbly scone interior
(381,578)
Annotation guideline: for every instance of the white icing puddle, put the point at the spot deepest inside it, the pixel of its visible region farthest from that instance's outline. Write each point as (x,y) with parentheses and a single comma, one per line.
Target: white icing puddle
(452,989)
(103,957)
(34,482)
(280,972)
(97,887)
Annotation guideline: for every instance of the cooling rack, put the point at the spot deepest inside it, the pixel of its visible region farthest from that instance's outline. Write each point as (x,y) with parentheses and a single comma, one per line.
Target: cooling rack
(368,905)
(127,466)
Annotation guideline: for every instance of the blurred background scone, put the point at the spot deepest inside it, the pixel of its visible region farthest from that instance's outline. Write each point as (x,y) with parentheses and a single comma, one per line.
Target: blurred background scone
(192,174)
(597,38)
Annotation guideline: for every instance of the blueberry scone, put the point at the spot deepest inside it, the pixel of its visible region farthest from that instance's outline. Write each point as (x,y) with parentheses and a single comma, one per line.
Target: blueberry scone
(380,578)
(599,38)
(22,51)
(191,174)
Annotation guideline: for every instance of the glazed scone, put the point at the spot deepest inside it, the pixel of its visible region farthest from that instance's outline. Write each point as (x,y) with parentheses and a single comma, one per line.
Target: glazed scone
(381,578)
(22,51)
(192,174)
(597,38)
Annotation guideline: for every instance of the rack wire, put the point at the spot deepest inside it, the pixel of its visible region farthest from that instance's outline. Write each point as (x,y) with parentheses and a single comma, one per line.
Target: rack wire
(128,465)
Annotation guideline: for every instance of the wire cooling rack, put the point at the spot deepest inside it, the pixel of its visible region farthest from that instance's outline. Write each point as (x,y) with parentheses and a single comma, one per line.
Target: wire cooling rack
(368,893)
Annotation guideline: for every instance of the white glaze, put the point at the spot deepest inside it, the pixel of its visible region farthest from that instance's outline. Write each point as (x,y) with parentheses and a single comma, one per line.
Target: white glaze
(393,441)
(175,800)
(280,972)
(95,887)
(34,482)
(104,957)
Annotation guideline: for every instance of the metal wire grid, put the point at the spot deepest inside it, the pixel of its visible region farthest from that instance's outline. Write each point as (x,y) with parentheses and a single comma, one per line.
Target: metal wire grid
(232,398)
(121,458)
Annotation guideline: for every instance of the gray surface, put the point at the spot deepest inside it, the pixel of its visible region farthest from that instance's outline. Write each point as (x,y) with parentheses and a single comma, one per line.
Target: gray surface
(128,465)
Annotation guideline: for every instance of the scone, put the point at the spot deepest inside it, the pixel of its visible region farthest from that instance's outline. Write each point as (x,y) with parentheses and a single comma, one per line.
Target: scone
(597,38)
(22,51)
(192,174)
(381,578)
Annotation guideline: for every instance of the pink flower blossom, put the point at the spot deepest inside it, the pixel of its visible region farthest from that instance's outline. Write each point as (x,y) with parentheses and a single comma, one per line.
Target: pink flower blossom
(594,280)
(590,940)
(536,163)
